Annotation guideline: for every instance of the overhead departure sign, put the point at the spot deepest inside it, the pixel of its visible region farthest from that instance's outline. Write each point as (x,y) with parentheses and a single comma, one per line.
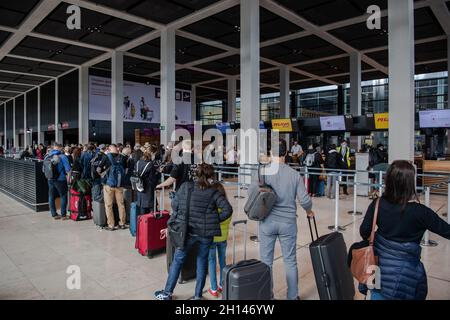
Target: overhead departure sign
(381,121)
(282,125)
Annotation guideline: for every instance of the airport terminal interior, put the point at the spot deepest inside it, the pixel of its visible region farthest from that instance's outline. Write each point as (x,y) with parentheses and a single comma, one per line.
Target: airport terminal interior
(368,77)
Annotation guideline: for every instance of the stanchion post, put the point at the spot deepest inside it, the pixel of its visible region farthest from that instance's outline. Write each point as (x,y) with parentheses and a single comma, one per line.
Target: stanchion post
(238,196)
(381,183)
(336,226)
(355,211)
(426,242)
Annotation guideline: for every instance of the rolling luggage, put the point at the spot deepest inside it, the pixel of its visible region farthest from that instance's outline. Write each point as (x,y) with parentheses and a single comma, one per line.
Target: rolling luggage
(99,214)
(80,206)
(329,259)
(189,270)
(247,279)
(148,232)
(134,213)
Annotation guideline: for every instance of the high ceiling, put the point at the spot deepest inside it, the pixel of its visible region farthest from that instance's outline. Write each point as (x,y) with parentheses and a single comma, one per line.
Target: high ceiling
(313,38)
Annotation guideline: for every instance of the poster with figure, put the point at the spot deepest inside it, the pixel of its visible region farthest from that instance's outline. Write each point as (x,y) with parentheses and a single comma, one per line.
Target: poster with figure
(141,102)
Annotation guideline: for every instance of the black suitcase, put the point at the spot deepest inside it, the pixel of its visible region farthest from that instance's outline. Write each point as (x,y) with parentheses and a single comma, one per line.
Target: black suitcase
(247,279)
(189,270)
(334,279)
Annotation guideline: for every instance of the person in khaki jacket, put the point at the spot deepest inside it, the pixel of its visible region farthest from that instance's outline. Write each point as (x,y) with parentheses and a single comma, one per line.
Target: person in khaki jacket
(112,168)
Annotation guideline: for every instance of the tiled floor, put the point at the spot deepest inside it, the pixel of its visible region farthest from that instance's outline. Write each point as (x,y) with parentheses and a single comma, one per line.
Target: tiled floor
(35,252)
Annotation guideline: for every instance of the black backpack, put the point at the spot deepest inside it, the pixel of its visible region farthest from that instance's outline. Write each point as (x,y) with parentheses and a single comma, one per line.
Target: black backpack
(50,167)
(94,164)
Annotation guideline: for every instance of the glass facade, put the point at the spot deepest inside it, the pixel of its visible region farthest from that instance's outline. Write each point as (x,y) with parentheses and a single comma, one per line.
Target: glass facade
(430,92)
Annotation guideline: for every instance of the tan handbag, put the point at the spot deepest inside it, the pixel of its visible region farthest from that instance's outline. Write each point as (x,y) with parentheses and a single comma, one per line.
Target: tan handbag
(364,258)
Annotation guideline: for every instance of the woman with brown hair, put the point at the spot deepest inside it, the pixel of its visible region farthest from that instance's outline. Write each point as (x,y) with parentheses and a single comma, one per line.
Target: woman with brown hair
(147,168)
(195,207)
(402,222)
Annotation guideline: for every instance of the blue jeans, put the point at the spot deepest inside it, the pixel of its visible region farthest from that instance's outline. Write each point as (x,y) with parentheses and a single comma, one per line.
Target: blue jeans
(59,187)
(269,231)
(202,264)
(376,295)
(221,249)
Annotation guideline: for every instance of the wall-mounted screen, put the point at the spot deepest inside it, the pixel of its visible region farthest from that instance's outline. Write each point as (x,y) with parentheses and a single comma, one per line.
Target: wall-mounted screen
(434,119)
(335,123)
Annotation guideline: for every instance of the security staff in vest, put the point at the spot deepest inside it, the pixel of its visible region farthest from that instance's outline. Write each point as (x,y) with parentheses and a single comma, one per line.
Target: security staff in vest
(344,152)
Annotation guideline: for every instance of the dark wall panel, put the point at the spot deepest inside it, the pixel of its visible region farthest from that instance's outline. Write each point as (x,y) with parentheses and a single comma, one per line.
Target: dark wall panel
(68,99)
(19,114)
(47,105)
(32,110)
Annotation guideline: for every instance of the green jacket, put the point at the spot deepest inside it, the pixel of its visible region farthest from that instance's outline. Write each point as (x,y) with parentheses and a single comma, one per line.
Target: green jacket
(224,228)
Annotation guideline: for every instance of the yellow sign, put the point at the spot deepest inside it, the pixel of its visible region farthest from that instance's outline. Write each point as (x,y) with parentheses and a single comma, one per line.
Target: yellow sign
(282,125)
(381,121)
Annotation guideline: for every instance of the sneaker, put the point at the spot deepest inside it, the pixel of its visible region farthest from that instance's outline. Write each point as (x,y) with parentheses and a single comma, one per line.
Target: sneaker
(65,218)
(57,217)
(109,229)
(214,293)
(124,227)
(195,298)
(220,289)
(161,295)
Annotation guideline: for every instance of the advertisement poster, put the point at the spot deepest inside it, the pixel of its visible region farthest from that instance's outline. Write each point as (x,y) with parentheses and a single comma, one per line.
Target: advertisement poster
(141,102)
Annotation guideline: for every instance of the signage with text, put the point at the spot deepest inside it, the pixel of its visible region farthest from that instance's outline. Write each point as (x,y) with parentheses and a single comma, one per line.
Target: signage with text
(381,121)
(282,125)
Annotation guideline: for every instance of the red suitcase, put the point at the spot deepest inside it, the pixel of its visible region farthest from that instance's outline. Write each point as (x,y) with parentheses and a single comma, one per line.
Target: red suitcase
(148,232)
(80,206)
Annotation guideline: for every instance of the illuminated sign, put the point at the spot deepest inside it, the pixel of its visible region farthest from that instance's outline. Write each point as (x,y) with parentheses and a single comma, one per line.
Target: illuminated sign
(381,121)
(282,125)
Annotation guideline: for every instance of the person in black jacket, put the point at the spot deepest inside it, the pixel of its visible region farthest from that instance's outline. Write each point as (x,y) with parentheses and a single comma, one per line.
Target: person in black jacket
(402,222)
(199,201)
(147,168)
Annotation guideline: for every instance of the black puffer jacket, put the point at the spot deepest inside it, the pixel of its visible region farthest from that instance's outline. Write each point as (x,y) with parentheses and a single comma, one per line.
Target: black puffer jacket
(204,218)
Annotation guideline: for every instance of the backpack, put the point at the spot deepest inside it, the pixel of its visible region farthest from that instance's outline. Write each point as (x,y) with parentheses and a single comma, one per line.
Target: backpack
(260,203)
(50,167)
(94,164)
(310,159)
(87,160)
(137,183)
(116,172)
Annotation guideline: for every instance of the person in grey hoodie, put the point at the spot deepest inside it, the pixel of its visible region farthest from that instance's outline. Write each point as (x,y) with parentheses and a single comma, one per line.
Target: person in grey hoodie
(281,223)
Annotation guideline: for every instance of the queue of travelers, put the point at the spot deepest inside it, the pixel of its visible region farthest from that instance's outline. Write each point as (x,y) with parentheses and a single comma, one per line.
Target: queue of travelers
(201,202)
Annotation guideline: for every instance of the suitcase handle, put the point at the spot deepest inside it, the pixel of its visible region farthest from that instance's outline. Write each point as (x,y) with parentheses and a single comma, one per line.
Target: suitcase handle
(315,227)
(235,223)
(161,200)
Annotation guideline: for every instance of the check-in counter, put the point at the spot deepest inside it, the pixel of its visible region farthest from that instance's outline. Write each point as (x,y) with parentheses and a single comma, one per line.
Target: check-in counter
(25,182)
(436,167)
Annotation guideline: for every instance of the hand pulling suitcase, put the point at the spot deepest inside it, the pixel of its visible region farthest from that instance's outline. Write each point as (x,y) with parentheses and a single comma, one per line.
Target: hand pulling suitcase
(148,232)
(329,258)
(80,206)
(189,270)
(247,279)
(134,213)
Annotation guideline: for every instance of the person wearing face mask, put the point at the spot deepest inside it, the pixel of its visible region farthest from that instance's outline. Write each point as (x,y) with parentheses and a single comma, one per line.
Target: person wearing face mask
(344,152)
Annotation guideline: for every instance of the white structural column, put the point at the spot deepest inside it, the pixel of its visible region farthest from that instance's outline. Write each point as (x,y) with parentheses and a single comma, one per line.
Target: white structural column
(4,127)
(355,84)
(15,135)
(231,100)
(401,80)
(355,91)
(26,140)
(285,93)
(117,97)
(250,81)
(167,84)
(83,105)
(40,134)
(58,129)
(193,104)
